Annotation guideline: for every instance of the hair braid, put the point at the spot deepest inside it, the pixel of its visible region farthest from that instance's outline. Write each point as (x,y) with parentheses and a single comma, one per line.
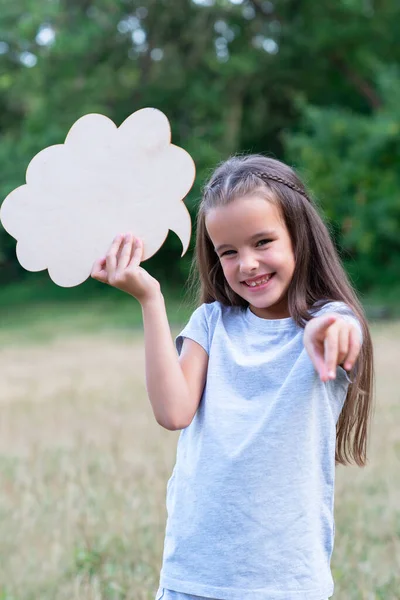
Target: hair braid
(293,186)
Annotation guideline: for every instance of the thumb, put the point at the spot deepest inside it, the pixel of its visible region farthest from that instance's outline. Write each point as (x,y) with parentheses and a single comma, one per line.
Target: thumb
(99,271)
(321,325)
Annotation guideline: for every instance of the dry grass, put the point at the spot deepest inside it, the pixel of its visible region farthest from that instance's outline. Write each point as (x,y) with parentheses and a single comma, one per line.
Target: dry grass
(84,466)
(83,472)
(366,561)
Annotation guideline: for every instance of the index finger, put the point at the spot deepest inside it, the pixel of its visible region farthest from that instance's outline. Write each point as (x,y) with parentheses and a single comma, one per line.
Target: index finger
(137,254)
(111,258)
(126,251)
(331,347)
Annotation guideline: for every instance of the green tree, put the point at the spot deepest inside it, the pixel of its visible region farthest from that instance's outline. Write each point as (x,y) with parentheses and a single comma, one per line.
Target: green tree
(352,165)
(227,73)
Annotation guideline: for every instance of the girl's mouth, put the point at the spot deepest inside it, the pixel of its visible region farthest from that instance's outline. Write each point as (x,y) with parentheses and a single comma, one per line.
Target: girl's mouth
(259,284)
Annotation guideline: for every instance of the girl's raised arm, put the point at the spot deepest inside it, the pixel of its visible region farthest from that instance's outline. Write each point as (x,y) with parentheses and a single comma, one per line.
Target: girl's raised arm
(174,386)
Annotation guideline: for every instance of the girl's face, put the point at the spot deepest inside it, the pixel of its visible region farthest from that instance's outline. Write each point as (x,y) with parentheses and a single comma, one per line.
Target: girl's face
(255,252)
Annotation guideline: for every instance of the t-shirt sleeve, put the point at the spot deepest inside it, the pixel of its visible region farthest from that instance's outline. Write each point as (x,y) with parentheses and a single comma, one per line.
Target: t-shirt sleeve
(344,311)
(197,329)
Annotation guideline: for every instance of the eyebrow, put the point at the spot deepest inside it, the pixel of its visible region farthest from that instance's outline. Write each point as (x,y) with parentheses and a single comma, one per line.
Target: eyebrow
(253,237)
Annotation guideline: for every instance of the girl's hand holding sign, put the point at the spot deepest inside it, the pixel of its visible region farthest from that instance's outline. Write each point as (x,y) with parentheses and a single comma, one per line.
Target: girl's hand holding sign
(121,269)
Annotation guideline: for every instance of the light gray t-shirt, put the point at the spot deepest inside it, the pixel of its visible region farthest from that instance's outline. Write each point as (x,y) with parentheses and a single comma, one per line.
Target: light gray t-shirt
(250,500)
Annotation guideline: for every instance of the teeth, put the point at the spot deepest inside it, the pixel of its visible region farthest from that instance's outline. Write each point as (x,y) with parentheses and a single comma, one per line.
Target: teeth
(259,282)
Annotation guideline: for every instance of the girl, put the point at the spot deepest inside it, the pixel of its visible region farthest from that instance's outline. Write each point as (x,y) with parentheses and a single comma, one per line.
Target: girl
(260,390)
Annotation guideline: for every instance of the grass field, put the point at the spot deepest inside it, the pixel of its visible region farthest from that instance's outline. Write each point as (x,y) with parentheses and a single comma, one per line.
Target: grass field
(84,467)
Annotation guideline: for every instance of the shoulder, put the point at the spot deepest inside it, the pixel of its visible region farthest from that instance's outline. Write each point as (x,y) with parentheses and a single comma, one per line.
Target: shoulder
(215,310)
(205,311)
(214,316)
(323,307)
(204,316)
(202,325)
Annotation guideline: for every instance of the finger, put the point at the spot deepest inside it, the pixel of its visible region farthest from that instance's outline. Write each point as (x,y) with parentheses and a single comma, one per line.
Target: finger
(137,253)
(98,265)
(331,346)
(317,359)
(344,341)
(354,349)
(126,251)
(322,325)
(111,258)
(98,271)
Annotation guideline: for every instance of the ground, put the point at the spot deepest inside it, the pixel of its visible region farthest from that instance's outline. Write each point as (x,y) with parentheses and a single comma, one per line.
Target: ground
(84,467)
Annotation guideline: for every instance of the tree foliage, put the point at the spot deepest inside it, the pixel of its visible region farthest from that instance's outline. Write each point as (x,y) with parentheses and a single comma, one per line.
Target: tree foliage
(231,75)
(352,164)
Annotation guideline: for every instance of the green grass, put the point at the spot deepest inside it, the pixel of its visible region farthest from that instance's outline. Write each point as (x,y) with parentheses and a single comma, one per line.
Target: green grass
(45,311)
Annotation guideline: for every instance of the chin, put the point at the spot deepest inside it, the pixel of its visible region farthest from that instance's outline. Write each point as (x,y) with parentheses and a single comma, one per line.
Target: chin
(262,305)
(262,302)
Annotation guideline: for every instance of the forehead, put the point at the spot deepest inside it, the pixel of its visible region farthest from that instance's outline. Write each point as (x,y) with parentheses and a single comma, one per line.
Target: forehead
(242,218)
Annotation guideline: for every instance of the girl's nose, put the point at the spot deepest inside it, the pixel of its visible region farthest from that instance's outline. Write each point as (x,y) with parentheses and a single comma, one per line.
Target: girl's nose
(248,263)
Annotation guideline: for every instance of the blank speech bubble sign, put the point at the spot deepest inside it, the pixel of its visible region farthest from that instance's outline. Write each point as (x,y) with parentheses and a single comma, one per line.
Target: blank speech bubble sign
(102,181)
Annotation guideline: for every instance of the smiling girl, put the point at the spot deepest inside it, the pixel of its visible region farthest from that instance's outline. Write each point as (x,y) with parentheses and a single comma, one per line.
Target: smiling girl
(271,388)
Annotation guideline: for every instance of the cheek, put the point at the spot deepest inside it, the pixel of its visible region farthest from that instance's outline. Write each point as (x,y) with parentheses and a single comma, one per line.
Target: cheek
(285,257)
(290,268)
(291,262)
(227,270)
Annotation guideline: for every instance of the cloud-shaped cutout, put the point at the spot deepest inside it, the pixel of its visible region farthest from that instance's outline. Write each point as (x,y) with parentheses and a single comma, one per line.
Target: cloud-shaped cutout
(102,181)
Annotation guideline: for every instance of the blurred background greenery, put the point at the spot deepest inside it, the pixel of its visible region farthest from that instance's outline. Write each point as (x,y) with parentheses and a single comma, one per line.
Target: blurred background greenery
(315,84)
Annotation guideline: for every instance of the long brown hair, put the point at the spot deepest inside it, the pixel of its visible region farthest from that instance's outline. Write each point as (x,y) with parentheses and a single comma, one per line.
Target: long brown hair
(318,276)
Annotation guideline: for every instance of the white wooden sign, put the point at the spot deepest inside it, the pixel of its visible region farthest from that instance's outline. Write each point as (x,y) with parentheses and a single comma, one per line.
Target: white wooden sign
(102,181)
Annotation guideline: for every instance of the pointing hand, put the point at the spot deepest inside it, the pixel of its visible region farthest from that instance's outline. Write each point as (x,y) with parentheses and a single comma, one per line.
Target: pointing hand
(331,341)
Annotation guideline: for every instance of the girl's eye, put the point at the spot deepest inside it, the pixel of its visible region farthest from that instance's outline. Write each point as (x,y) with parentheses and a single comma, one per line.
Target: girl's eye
(229,252)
